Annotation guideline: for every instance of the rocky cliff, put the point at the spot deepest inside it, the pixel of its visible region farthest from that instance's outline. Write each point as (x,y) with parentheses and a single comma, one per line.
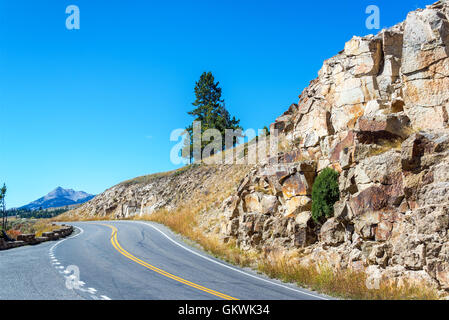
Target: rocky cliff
(378,114)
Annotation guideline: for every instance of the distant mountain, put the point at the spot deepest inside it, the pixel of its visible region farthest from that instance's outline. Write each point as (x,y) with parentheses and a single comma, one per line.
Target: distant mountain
(59,197)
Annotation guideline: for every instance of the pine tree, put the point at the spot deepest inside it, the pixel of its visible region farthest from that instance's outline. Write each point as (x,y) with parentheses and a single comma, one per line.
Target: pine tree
(211,112)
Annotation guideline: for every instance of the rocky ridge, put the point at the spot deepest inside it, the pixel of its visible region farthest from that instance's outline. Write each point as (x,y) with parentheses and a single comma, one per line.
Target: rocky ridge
(170,190)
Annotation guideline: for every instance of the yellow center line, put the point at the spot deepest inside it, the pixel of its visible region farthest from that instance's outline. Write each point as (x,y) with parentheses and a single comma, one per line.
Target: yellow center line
(119,248)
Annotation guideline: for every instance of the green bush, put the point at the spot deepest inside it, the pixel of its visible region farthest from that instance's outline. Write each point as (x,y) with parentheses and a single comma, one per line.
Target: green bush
(325,193)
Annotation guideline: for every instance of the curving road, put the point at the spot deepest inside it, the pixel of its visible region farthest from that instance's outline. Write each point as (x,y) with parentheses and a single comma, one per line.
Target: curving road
(130,260)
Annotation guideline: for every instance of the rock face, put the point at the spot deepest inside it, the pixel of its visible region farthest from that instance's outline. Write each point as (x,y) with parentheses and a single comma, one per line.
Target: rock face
(378,114)
(145,195)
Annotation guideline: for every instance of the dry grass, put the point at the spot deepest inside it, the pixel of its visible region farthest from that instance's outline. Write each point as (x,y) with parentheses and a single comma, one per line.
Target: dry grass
(68,218)
(28,226)
(347,284)
(183,221)
(148,178)
(386,145)
(44,225)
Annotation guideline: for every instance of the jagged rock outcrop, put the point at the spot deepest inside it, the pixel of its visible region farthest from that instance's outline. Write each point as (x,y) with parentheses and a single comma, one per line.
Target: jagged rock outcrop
(378,114)
(169,190)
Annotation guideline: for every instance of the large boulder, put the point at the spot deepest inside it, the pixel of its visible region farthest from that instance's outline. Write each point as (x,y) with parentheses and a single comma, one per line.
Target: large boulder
(386,125)
(332,232)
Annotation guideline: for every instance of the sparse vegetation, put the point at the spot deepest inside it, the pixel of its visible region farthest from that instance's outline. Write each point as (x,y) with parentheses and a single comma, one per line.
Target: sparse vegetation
(325,193)
(66,217)
(155,176)
(29,226)
(347,284)
(2,206)
(385,145)
(147,178)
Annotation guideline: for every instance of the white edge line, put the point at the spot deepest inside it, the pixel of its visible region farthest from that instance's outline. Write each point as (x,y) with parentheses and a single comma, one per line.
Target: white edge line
(61,241)
(83,283)
(224,265)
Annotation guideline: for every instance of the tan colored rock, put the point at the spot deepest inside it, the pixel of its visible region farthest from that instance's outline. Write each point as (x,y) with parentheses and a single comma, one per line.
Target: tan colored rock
(230,207)
(397,124)
(425,67)
(303,218)
(297,185)
(296,205)
(379,255)
(384,168)
(365,224)
(252,203)
(409,252)
(432,219)
(332,232)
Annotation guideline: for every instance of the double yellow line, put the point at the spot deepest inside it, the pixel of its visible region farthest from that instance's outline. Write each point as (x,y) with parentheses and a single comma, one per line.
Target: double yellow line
(119,248)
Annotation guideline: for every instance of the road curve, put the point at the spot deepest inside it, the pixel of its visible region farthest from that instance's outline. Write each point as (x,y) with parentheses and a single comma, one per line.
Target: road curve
(131,260)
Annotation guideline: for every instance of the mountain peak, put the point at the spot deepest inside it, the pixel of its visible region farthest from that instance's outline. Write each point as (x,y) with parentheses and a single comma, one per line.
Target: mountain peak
(59,197)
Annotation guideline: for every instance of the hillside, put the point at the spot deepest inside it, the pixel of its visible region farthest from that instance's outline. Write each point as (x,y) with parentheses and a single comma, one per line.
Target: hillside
(378,115)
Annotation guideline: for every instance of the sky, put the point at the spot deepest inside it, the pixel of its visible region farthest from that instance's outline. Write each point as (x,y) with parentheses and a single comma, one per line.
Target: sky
(89,108)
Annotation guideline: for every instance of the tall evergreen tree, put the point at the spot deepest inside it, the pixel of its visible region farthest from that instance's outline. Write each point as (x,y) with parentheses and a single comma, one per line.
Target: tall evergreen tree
(211,112)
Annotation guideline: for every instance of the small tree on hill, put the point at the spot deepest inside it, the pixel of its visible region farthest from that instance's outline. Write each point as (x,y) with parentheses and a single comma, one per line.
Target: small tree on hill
(211,112)
(325,193)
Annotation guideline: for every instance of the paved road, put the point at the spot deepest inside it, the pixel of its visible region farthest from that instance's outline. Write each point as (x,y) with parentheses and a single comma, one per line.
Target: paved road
(130,260)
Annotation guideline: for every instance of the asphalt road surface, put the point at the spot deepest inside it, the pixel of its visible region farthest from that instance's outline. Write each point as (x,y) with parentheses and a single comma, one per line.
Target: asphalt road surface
(130,260)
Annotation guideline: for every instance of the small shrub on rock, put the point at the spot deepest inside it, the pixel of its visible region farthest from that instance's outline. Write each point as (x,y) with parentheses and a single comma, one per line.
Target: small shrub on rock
(325,193)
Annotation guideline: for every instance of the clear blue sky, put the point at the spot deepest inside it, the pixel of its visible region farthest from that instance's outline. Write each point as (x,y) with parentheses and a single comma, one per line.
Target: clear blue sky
(88,108)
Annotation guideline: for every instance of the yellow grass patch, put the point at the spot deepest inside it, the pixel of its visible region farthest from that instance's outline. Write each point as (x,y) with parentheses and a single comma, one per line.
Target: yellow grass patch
(347,284)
